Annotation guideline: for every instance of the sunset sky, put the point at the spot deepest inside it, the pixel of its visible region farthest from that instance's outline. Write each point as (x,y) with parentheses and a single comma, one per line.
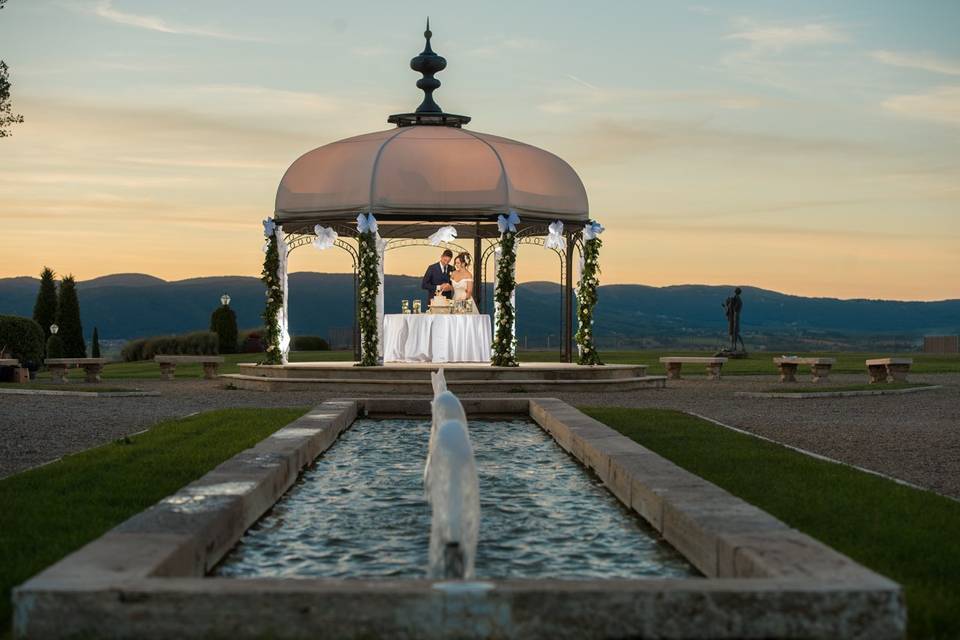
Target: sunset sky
(808,147)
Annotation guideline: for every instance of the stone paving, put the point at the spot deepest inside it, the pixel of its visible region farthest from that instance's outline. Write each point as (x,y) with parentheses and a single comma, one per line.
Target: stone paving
(915,437)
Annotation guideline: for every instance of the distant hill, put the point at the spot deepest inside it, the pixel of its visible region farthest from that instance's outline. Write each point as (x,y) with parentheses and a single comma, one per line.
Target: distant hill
(131,305)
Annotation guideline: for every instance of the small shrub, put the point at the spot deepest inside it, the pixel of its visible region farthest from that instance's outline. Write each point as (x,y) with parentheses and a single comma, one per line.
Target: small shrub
(22,338)
(54,346)
(251,341)
(309,343)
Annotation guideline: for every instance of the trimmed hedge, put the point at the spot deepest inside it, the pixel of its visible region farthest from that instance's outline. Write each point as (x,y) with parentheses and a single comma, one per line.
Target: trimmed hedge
(223,322)
(198,343)
(23,339)
(54,346)
(309,343)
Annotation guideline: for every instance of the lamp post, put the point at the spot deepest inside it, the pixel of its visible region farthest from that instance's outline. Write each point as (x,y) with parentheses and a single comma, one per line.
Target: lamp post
(225,300)
(54,328)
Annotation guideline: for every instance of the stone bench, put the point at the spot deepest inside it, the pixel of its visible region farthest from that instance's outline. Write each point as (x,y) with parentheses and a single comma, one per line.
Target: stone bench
(91,366)
(889,369)
(11,371)
(168,365)
(674,363)
(819,368)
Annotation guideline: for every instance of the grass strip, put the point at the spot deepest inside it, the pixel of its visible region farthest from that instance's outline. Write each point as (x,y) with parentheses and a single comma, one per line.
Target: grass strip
(55,509)
(906,534)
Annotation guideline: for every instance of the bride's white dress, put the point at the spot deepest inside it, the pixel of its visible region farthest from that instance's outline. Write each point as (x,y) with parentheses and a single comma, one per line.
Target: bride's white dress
(460,293)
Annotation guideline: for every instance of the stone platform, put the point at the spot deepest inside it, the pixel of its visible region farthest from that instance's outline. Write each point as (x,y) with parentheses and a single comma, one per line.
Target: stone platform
(414,378)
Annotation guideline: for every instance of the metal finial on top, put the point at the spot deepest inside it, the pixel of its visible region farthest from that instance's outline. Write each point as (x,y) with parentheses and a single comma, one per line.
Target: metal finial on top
(428,63)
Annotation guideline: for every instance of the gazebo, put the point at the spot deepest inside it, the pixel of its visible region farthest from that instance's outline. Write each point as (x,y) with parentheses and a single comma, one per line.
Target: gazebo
(429,180)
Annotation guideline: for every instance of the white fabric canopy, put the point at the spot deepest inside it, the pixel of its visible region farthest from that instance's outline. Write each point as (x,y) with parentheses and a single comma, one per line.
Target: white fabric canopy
(426,337)
(429,168)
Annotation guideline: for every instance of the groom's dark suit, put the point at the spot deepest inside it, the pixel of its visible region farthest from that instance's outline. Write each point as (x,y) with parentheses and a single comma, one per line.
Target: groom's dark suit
(436,275)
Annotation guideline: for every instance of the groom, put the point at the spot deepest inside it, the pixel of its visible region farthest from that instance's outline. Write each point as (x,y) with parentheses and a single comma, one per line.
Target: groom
(438,275)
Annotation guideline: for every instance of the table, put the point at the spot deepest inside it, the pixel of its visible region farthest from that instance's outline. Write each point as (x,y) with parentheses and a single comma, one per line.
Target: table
(426,337)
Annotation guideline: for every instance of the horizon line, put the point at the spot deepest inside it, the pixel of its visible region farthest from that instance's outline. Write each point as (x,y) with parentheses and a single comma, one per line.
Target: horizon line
(403,275)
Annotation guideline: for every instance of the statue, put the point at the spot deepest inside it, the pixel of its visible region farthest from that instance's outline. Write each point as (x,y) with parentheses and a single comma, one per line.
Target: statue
(731,308)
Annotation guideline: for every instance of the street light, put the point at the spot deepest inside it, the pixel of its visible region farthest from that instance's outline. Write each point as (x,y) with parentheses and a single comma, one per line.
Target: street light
(224,299)
(54,328)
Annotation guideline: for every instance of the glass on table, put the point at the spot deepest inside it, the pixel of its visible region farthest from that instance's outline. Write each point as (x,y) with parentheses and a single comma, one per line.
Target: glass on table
(405,306)
(416,306)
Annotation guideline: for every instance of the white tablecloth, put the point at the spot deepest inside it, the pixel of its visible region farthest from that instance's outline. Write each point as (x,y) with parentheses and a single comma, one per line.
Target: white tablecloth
(427,337)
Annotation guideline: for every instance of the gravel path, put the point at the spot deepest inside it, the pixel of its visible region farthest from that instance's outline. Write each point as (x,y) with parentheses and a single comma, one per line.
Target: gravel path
(915,437)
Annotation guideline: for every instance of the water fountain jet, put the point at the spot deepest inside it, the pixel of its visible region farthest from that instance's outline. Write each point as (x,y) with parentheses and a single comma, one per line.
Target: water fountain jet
(452,488)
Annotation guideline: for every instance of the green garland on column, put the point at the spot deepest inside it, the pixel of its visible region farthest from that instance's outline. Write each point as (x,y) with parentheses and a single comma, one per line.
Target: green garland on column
(504,341)
(586,300)
(270,278)
(369,287)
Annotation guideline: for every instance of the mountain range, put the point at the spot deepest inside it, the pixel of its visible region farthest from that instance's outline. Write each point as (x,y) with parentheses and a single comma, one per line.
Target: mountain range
(124,306)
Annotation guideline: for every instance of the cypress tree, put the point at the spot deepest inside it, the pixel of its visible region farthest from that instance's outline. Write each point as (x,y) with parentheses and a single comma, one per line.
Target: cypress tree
(68,319)
(45,308)
(223,322)
(95,347)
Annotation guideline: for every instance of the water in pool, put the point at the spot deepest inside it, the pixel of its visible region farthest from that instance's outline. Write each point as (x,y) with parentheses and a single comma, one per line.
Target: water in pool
(360,512)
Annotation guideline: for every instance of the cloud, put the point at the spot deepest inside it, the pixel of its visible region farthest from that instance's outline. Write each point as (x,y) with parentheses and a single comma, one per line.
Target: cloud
(106,10)
(496,46)
(609,140)
(940,105)
(776,38)
(923,61)
(586,97)
(276,98)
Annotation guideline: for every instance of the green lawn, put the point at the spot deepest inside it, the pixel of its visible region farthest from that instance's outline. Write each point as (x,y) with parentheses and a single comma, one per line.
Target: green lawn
(814,388)
(756,364)
(52,510)
(150,369)
(906,534)
(761,363)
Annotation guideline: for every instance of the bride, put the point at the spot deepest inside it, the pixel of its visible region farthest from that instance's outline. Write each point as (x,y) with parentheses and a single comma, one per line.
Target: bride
(462,281)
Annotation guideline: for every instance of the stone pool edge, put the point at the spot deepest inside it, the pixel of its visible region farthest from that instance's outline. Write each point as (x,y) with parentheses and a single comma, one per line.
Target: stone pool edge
(145,578)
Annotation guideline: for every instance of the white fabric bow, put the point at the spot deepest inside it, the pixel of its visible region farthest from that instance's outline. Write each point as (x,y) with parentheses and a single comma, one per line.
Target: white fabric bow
(508,222)
(591,230)
(443,234)
(326,236)
(366,223)
(269,226)
(555,237)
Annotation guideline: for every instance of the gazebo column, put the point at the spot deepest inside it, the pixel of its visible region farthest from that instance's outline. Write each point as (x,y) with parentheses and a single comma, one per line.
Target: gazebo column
(568,300)
(356,313)
(477,268)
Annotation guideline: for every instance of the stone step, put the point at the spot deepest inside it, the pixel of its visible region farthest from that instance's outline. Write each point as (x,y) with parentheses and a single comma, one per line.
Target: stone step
(611,373)
(423,387)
